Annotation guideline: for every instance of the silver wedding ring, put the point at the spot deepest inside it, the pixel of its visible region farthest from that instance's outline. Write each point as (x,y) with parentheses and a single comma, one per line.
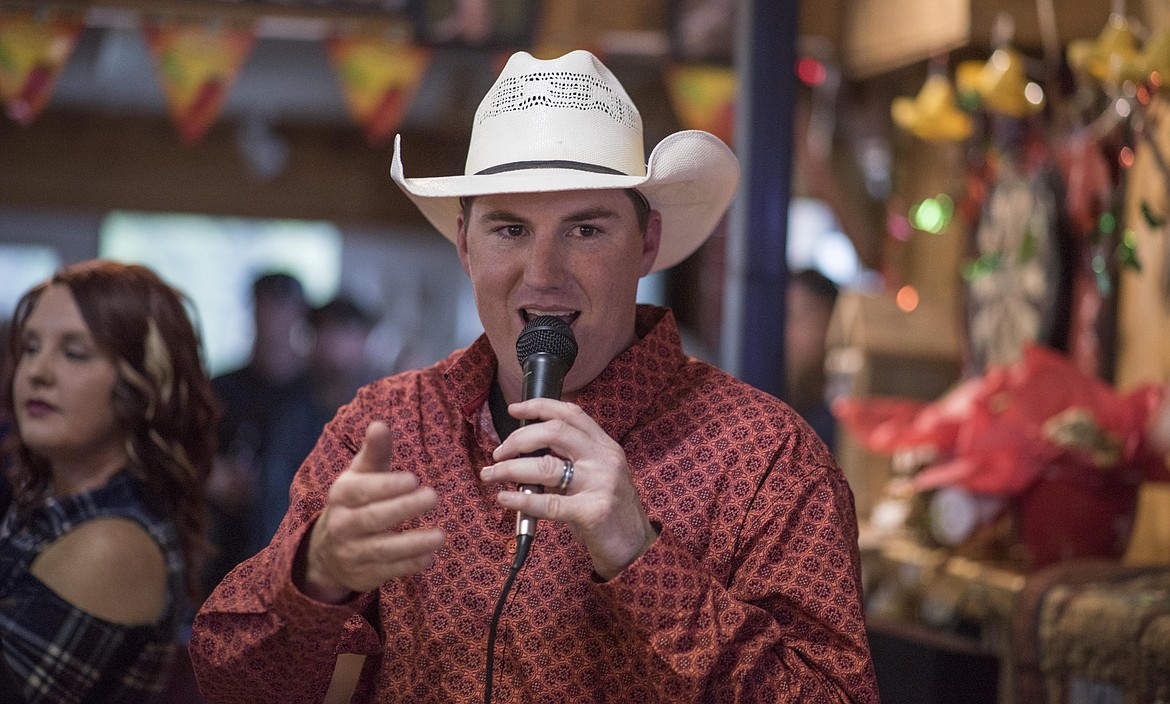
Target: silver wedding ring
(566,475)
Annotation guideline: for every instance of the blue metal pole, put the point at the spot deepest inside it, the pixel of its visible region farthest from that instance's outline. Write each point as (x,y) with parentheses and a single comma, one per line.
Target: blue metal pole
(757,263)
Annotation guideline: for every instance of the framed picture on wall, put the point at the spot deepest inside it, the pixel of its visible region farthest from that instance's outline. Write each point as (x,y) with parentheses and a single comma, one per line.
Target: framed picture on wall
(477,23)
(703,31)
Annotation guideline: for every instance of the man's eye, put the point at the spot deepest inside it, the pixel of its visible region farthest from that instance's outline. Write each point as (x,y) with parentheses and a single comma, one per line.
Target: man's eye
(512,230)
(586,230)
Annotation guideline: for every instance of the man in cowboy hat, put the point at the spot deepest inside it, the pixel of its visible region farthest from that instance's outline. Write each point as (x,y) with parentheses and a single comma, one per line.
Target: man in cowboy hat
(697,541)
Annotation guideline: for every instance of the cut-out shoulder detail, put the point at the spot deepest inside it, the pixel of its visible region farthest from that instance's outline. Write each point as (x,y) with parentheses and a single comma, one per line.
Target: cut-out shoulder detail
(108,567)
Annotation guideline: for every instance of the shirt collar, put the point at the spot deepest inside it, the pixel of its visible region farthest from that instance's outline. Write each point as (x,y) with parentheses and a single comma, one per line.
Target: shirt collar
(617,399)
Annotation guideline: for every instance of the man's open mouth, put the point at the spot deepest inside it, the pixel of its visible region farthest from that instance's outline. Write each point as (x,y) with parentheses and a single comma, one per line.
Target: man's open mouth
(528,314)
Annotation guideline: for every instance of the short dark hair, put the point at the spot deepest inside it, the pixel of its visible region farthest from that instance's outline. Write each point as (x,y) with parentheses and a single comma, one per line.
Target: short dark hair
(278,285)
(342,310)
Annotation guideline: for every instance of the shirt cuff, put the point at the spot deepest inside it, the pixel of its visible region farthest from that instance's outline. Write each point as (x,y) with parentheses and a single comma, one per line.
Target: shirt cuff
(299,608)
(659,589)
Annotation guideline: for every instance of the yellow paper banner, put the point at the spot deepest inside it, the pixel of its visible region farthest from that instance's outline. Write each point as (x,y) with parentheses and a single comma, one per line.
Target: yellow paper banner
(197,61)
(33,50)
(704,98)
(379,76)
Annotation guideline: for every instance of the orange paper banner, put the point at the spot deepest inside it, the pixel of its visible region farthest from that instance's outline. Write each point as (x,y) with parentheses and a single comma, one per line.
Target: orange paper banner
(197,62)
(704,98)
(379,77)
(33,50)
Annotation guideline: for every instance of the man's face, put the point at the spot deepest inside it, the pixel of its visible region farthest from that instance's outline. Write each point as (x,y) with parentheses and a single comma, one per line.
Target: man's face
(574,254)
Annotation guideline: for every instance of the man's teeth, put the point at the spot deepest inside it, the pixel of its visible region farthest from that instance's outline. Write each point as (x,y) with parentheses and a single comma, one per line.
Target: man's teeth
(567,316)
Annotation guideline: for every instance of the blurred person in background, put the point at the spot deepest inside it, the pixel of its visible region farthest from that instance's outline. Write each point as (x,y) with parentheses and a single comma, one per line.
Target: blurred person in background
(112,439)
(811,299)
(339,365)
(268,425)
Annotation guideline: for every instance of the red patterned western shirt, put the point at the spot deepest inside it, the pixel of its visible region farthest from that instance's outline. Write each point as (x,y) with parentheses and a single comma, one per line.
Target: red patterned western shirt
(750,594)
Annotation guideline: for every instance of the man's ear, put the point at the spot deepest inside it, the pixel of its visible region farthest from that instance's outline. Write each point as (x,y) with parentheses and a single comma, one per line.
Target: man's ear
(651,240)
(461,243)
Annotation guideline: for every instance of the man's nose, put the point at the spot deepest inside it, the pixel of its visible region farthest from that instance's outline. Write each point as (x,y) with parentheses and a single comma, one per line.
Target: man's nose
(545,268)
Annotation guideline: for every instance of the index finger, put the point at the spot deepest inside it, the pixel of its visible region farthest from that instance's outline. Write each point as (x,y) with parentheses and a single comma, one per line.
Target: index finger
(537,410)
(542,409)
(377,450)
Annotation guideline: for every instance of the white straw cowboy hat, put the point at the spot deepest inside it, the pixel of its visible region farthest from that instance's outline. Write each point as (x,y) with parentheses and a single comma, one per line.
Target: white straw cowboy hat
(567,124)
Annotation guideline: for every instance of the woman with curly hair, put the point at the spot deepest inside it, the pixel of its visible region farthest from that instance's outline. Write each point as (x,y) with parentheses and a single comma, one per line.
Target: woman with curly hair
(112,440)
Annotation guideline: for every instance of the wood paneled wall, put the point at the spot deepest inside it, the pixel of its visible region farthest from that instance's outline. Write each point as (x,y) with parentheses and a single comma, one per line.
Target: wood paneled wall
(94,162)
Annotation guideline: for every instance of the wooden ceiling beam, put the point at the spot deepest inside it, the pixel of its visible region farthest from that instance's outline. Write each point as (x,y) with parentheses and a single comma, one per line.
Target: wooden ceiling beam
(92,162)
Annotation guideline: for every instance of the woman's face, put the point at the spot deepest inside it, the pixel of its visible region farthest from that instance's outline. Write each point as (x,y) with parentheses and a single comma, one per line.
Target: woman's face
(63,390)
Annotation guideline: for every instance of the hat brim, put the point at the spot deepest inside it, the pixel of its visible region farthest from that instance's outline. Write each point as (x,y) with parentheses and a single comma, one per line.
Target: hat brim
(690,180)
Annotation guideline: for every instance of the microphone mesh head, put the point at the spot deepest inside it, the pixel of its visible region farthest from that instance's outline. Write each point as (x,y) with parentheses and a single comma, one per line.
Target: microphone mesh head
(550,335)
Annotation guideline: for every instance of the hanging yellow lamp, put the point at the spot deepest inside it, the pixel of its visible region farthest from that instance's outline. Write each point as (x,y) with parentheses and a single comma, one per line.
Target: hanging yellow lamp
(933,114)
(1113,57)
(1001,84)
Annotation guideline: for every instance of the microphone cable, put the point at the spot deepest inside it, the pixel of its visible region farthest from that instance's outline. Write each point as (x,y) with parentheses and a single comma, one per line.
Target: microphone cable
(546,350)
(523,545)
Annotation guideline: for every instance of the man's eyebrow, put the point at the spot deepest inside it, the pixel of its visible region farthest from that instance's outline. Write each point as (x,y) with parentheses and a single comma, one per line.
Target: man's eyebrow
(591,214)
(501,215)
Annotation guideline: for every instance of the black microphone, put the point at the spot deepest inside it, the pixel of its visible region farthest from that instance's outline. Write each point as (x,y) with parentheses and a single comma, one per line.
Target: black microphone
(546,350)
